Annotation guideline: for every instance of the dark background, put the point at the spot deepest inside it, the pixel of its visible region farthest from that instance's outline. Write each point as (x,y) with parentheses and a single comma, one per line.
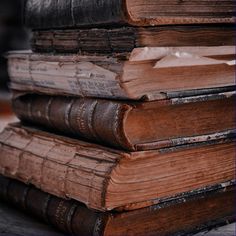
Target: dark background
(13,35)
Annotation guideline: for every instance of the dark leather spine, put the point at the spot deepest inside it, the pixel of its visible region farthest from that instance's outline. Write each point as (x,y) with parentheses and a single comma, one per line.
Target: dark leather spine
(68,216)
(40,14)
(96,120)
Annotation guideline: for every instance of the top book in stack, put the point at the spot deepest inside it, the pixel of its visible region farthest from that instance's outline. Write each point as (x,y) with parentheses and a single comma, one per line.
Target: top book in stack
(110,26)
(84,13)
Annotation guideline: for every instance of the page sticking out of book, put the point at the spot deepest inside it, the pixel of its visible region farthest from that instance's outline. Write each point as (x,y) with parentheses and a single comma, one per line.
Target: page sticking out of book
(135,77)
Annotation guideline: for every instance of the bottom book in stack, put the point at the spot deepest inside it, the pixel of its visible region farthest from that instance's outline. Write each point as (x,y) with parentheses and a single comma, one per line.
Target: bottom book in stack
(184,215)
(166,191)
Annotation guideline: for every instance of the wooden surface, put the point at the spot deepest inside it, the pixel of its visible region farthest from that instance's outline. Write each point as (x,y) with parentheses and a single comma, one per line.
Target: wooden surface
(16,223)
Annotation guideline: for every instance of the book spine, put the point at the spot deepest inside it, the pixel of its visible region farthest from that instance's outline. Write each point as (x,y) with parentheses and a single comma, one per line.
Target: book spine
(95,120)
(104,41)
(40,158)
(73,13)
(68,216)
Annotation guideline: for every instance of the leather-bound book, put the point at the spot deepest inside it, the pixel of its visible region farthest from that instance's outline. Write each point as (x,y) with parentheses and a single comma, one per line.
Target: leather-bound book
(132,126)
(40,14)
(148,73)
(105,178)
(184,215)
(125,39)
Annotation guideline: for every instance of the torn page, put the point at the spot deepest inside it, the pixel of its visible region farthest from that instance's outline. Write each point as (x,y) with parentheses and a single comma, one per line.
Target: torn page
(157,53)
(183,59)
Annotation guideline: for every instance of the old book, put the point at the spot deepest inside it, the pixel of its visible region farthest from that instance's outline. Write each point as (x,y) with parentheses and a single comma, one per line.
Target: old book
(72,13)
(132,125)
(184,215)
(125,39)
(146,73)
(107,179)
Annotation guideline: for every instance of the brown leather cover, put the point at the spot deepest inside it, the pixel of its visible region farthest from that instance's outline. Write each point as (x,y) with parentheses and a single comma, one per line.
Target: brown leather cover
(104,121)
(74,218)
(49,158)
(93,119)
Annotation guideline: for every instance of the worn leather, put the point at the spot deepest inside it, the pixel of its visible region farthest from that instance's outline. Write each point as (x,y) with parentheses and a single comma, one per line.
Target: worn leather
(93,119)
(68,216)
(72,13)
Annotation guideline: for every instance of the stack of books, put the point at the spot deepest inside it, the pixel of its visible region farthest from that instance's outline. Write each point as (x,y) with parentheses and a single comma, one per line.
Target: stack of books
(128,117)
